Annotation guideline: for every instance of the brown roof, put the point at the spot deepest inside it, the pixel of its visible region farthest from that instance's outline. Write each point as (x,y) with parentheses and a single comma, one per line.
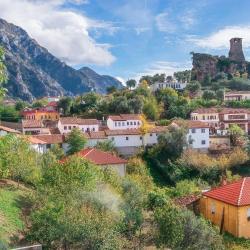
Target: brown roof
(221,110)
(32,124)
(34,140)
(99,157)
(191,123)
(50,139)
(237,92)
(123,132)
(13,125)
(79,121)
(97,135)
(186,200)
(236,193)
(9,130)
(124,117)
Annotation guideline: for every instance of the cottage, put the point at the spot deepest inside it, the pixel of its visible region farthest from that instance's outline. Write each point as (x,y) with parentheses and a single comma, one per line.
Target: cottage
(173,85)
(197,134)
(236,95)
(124,121)
(41,114)
(228,207)
(34,127)
(66,124)
(51,140)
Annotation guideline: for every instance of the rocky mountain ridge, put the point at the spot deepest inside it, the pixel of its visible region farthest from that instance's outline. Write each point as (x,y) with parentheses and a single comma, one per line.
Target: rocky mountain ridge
(34,72)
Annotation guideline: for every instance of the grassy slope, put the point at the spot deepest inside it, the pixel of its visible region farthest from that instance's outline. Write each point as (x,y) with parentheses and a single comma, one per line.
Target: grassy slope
(11,213)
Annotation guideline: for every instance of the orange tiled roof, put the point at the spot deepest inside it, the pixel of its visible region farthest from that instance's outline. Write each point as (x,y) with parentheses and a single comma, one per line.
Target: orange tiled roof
(34,140)
(191,123)
(50,139)
(124,117)
(221,110)
(236,193)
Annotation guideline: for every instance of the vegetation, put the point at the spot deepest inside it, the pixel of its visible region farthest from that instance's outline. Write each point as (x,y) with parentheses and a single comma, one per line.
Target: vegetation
(76,141)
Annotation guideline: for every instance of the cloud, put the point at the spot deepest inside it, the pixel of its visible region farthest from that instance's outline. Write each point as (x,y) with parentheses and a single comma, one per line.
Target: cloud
(164,24)
(160,67)
(122,80)
(220,39)
(64,32)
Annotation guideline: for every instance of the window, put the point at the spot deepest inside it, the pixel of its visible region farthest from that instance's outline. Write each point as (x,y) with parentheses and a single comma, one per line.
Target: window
(248,214)
(115,124)
(69,127)
(203,142)
(151,135)
(140,137)
(65,127)
(74,126)
(138,123)
(123,123)
(131,123)
(112,138)
(126,138)
(213,208)
(203,130)
(93,129)
(127,123)
(203,117)
(134,123)
(119,124)
(193,130)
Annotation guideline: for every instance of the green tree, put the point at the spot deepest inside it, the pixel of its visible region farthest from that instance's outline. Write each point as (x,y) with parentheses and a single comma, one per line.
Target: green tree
(3,73)
(20,105)
(193,87)
(151,109)
(76,141)
(111,89)
(107,146)
(131,83)
(65,103)
(208,95)
(237,135)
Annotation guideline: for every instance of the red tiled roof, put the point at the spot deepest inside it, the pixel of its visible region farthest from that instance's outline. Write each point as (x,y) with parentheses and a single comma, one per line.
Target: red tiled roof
(31,124)
(122,132)
(34,140)
(97,135)
(79,121)
(50,139)
(9,130)
(236,193)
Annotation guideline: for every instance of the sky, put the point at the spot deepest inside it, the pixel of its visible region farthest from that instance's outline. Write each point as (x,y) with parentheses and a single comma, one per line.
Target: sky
(130,38)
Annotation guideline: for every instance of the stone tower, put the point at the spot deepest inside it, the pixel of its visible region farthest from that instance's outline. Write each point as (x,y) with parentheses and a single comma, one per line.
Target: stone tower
(236,52)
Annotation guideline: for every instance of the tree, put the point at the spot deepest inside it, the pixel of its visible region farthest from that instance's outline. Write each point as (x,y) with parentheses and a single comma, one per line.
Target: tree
(111,89)
(20,105)
(65,103)
(3,73)
(208,95)
(151,109)
(148,79)
(193,87)
(236,135)
(107,146)
(181,229)
(144,129)
(76,141)
(131,83)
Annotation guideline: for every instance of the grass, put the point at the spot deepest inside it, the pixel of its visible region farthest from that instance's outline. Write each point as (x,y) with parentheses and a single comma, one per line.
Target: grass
(233,243)
(10,213)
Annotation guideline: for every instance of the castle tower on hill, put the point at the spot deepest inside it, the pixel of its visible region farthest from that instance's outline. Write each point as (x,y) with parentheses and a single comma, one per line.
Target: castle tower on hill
(236,52)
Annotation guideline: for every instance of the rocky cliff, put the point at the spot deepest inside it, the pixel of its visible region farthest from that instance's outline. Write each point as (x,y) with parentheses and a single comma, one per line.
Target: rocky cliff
(34,72)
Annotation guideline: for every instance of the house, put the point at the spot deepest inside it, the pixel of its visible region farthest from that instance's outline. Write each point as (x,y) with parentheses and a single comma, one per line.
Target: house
(33,127)
(51,140)
(41,114)
(66,124)
(124,121)
(197,134)
(5,130)
(228,207)
(38,145)
(173,85)
(220,119)
(104,159)
(95,137)
(236,95)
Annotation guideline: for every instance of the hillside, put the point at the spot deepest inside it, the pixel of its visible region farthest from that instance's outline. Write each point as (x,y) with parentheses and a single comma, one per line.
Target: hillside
(12,206)
(34,72)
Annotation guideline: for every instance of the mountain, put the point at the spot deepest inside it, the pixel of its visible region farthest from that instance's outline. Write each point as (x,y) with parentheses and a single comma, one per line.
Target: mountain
(34,72)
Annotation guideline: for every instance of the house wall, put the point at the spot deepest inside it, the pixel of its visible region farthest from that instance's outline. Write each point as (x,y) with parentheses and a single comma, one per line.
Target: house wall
(244,223)
(198,138)
(230,214)
(34,131)
(210,118)
(39,148)
(3,133)
(92,142)
(42,115)
(66,128)
(127,124)
(236,97)
(162,85)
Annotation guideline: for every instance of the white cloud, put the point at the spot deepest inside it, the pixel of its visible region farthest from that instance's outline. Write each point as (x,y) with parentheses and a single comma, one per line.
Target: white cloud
(220,39)
(122,80)
(160,67)
(64,32)
(164,24)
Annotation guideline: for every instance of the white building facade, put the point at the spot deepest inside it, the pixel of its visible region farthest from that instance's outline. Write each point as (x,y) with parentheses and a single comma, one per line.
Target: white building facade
(124,121)
(173,85)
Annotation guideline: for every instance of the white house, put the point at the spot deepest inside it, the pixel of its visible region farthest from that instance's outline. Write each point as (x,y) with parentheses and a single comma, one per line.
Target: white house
(38,145)
(66,124)
(173,85)
(198,134)
(236,95)
(124,121)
